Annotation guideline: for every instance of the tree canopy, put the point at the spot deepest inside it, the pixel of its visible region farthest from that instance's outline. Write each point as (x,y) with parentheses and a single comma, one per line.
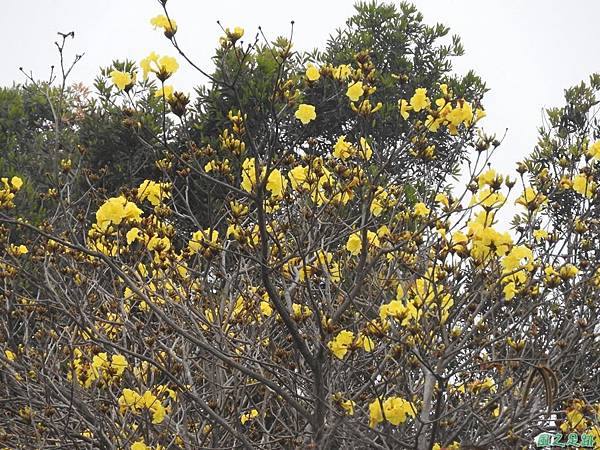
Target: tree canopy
(286,260)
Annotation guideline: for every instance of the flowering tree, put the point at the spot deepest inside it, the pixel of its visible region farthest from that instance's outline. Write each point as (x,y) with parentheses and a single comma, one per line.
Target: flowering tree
(301,274)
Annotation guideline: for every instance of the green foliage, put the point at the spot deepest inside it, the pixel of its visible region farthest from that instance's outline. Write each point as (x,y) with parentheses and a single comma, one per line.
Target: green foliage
(563,139)
(407,54)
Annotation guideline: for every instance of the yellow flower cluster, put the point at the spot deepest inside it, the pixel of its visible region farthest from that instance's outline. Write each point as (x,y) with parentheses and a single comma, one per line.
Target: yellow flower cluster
(155,193)
(425,298)
(516,266)
(584,185)
(253,176)
(312,73)
(116,210)
(345,341)
(393,409)
(8,191)
(245,309)
(206,241)
(130,400)
(344,150)
(249,416)
(141,445)
(162,66)
(231,139)
(122,80)
(531,199)
(339,73)
(354,243)
(305,113)
(450,112)
(102,368)
(322,184)
(168,25)
(347,405)
(575,420)
(17,250)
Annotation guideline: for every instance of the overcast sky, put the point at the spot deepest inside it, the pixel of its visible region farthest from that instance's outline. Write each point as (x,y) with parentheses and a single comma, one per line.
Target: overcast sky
(526,51)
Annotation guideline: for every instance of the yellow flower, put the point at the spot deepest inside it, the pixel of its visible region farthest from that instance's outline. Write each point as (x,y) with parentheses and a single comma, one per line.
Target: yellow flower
(568,271)
(305,113)
(163,67)
(342,72)
(114,210)
(404,108)
(575,419)
(158,412)
(17,250)
(421,210)
(355,91)
(342,149)
(488,241)
(514,258)
(340,344)
(531,199)
(366,151)
(397,409)
(139,445)
(379,202)
(395,308)
(583,185)
(249,180)
(265,308)
(443,199)
(354,244)
(463,113)
(489,198)
(248,416)
(9,355)
(419,101)
(540,235)
(365,342)
(119,364)
(129,399)
(236,34)
(16,182)
(301,311)
(276,184)
(146,63)
(155,192)
(487,178)
(348,406)
(375,413)
(168,25)
(454,446)
(207,238)
(166,92)
(100,361)
(312,73)
(298,176)
(121,79)
(167,65)
(133,234)
(594,150)
(153,404)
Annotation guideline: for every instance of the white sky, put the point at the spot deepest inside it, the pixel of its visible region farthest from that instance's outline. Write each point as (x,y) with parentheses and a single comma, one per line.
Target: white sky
(526,51)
